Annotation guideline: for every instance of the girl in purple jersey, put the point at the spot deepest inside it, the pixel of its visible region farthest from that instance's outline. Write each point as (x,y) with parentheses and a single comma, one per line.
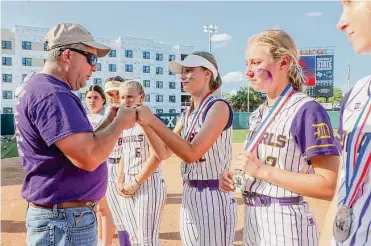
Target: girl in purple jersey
(95,101)
(290,150)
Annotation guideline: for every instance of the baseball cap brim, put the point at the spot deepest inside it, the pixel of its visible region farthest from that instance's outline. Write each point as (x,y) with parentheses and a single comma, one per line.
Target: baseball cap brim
(102,50)
(111,89)
(192,61)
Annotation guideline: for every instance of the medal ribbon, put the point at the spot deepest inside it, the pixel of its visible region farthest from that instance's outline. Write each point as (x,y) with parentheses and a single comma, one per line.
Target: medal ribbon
(359,162)
(258,135)
(194,120)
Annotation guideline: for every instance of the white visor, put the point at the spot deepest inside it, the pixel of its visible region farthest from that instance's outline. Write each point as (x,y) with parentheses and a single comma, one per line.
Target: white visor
(192,61)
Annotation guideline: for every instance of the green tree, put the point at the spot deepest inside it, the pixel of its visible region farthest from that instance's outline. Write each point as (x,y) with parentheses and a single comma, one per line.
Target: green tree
(239,100)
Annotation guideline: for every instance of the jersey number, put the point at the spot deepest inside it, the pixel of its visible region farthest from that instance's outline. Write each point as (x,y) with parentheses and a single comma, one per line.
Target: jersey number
(119,142)
(137,152)
(270,160)
(193,134)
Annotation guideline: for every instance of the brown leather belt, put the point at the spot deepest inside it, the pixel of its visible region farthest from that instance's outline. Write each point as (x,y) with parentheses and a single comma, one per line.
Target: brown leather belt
(72,204)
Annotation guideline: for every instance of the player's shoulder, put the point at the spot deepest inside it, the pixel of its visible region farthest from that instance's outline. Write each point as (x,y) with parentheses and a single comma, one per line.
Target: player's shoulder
(361,87)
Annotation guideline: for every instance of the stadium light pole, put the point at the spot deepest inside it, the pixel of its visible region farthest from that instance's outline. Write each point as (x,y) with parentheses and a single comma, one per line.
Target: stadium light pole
(210,29)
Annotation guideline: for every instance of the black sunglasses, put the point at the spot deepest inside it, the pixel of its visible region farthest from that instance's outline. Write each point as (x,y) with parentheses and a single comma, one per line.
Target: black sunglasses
(92,58)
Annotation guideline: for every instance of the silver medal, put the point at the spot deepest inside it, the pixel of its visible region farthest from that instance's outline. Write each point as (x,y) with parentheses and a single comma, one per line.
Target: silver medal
(239,180)
(342,224)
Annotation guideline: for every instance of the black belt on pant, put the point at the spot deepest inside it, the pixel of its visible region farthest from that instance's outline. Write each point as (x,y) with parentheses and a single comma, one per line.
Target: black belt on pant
(113,160)
(253,199)
(212,184)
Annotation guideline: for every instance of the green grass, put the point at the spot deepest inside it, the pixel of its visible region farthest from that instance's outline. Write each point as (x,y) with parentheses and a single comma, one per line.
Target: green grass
(8,149)
(239,135)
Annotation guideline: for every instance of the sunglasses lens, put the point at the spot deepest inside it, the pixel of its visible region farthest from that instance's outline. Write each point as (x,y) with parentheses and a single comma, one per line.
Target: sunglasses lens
(93,59)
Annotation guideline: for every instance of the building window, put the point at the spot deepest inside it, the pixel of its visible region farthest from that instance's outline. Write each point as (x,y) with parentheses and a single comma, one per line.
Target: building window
(129,53)
(146,69)
(7,77)
(146,55)
(99,66)
(159,84)
(159,57)
(112,53)
(128,68)
(81,96)
(159,70)
(26,61)
(146,83)
(7,110)
(7,94)
(159,98)
(172,111)
(6,61)
(112,67)
(171,85)
(159,111)
(44,61)
(6,44)
(183,56)
(147,98)
(171,73)
(171,58)
(45,46)
(97,81)
(26,45)
(172,99)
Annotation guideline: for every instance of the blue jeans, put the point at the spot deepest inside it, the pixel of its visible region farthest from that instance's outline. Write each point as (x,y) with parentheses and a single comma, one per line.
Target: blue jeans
(57,227)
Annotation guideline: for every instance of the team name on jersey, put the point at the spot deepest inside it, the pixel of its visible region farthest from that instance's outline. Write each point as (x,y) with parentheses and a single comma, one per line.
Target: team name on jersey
(271,139)
(133,138)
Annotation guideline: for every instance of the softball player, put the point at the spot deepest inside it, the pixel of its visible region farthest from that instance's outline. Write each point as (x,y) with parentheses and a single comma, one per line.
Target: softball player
(95,100)
(290,149)
(111,88)
(208,216)
(352,219)
(140,179)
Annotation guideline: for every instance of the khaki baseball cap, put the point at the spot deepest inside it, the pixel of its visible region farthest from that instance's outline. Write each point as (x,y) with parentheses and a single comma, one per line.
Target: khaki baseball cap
(112,85)
(71,33)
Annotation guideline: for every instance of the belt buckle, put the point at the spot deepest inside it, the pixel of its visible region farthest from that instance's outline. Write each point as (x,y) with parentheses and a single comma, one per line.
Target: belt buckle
(265,201)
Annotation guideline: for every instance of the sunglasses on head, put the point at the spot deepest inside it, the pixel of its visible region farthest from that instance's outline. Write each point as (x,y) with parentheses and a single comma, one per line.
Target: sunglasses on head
(90,57)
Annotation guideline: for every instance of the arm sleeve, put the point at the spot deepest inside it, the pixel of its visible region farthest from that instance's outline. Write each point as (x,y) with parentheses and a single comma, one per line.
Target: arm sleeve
(59,116)
(312,131)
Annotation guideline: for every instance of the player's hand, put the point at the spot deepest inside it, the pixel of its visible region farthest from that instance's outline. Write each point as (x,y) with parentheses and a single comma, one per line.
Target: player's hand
(126,117)
(144,115)
(129,190)
(226,182)
(112,113)
(120,185)
(254,167)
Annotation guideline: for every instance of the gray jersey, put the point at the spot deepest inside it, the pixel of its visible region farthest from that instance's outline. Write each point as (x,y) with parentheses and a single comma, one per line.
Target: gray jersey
(135,150)
(96,119)
(302,129)
(351,109)
(217,158)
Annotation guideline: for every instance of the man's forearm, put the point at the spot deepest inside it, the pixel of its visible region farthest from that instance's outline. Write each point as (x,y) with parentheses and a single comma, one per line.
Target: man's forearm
(103,125)
(104,141)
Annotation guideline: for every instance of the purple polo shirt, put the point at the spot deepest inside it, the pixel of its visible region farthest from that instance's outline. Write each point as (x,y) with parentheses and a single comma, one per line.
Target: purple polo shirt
(47,112)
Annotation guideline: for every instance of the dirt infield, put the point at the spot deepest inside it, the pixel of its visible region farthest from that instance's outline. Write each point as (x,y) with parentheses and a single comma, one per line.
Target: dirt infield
(13,232)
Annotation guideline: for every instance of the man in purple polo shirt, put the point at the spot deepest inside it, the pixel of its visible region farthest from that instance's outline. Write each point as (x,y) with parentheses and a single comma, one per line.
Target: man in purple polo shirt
(64,160)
